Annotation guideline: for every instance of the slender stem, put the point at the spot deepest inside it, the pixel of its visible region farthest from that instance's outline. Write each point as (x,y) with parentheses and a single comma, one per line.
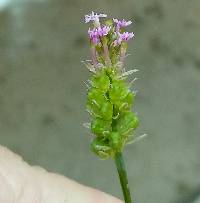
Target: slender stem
(93,55)
(106,51)
(119,161)
(122,54)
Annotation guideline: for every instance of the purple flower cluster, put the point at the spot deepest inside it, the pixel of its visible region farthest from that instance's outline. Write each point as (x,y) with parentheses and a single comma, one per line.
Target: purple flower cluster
(96,33)
(94,17)
(125,36)
(99,31)
(121,23)
(107,35)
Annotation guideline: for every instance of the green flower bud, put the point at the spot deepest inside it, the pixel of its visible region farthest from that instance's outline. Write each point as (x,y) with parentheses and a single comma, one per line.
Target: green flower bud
(100,127)
(106,111)
(125,104)
(116,141)
(96,96)
(119,90)
(126,122)
(95,101)
(101,148)
(101,81)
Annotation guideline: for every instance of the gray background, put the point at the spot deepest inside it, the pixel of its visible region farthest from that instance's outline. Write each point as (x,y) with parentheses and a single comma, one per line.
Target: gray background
(42,94)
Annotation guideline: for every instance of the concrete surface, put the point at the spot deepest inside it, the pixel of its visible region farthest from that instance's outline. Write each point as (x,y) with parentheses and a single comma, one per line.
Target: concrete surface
(42,94)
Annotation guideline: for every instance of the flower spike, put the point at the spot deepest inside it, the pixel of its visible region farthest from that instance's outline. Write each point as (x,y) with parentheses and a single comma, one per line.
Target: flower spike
(109,97)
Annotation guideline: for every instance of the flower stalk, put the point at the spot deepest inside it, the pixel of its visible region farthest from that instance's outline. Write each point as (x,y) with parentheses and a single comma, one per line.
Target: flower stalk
(93,54)
(106,52)
(123,53)
(119,161)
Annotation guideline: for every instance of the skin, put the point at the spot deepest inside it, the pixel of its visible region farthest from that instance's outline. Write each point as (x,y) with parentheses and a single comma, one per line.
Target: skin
(22,183)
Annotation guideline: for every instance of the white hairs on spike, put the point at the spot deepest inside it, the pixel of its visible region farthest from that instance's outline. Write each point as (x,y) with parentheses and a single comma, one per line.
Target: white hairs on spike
(127,55)
(86,125)
(127,73)
(89,82)
(89,66)
(87,86)
(95,102)
(132,81)
(137,139)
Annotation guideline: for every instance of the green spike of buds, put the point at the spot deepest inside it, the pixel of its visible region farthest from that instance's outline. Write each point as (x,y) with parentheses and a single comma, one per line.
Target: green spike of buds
(112,122)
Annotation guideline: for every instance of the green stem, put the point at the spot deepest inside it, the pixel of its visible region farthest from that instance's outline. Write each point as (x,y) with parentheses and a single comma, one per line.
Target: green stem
(119,161)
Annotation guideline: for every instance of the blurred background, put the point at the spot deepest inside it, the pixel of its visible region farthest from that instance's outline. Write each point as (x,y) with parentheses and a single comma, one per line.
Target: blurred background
(42,93)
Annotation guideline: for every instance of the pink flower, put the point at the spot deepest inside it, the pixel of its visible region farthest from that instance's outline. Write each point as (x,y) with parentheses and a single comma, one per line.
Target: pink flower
(123,37)
(126,36)
(93,35)
(96,33)
(121,23)
(103,31)
(94,17)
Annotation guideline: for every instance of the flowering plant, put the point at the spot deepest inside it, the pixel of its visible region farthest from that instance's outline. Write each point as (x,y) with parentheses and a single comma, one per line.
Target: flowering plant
(109,97)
